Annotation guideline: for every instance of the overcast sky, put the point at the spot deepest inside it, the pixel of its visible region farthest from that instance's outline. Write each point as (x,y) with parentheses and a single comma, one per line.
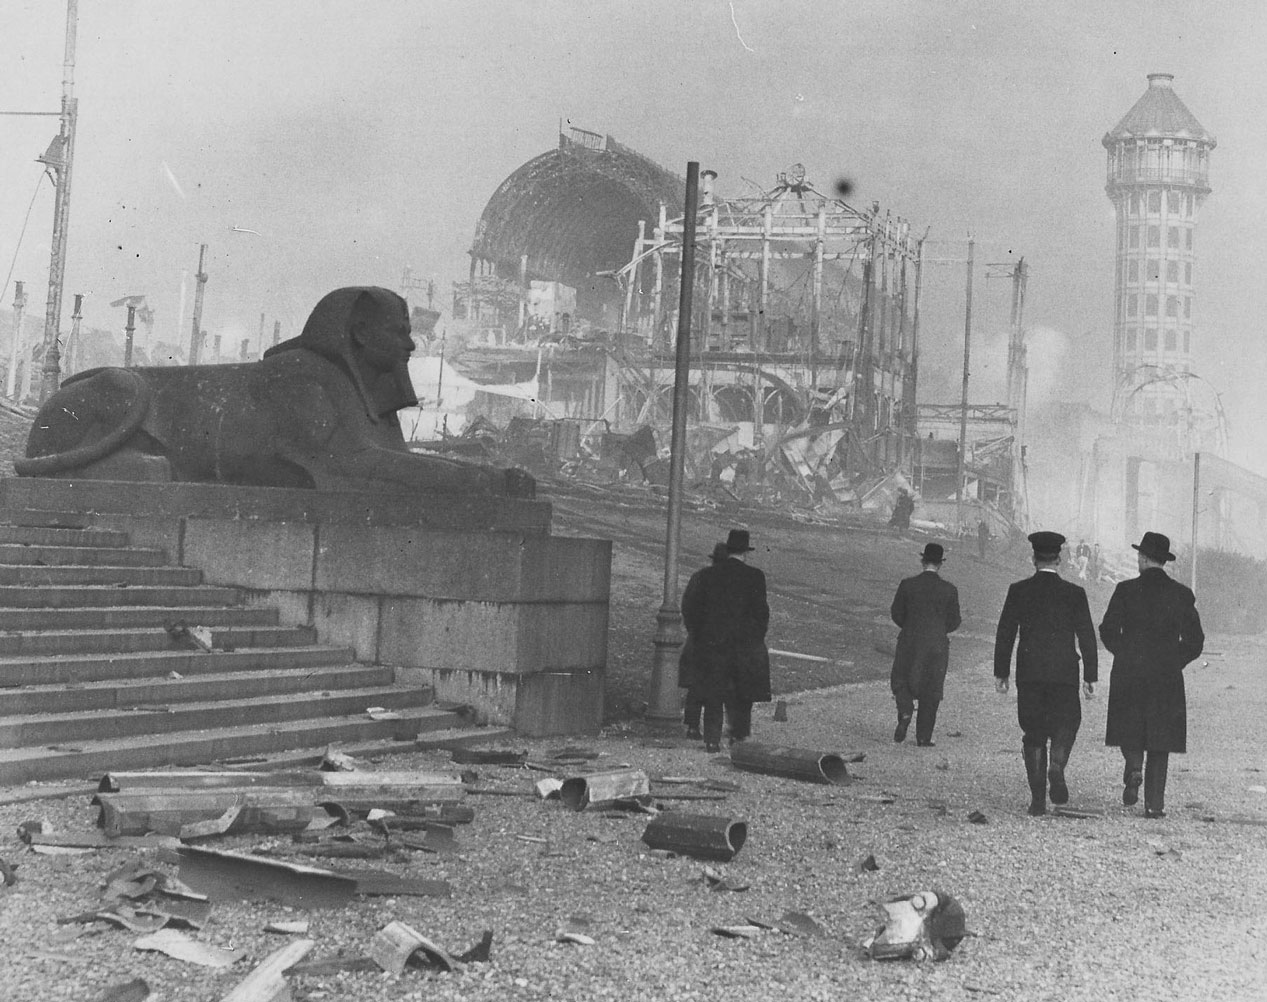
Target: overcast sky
(361,138)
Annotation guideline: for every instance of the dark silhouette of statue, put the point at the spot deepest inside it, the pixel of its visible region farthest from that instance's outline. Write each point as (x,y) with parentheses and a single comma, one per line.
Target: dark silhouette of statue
(317,411)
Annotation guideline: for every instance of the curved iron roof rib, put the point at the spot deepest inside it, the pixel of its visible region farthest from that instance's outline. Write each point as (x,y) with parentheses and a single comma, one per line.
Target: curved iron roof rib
(574,211)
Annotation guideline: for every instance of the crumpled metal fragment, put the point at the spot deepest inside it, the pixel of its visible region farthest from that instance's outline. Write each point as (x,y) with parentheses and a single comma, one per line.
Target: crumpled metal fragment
(927,925)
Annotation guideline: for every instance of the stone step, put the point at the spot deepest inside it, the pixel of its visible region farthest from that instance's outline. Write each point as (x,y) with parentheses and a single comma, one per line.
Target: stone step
(46,518)
(57,556)
(147,638)
(108,725)
(51,536)
(69,669)
(65,596)
(98,574)
(130,617)
(91,759)
(159,694)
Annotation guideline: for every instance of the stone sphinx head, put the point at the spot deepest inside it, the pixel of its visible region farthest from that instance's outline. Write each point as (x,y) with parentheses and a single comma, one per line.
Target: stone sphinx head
(365,331)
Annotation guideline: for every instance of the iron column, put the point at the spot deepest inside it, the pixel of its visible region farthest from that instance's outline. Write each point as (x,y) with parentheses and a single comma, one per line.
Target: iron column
(662,702)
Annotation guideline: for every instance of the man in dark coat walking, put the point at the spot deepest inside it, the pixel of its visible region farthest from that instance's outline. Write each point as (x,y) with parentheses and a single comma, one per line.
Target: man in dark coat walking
(926,609)
(1051,615)
(1153,630)
(726,615)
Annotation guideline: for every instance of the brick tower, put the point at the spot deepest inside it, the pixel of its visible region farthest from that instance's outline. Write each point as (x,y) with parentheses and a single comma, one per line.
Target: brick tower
(1158,170)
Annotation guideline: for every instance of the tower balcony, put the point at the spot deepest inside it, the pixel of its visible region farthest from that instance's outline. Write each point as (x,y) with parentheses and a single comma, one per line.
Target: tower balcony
(1129,177)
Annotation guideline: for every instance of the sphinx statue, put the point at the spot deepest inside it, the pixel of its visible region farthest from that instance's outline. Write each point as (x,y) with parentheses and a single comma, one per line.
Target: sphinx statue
(317,411)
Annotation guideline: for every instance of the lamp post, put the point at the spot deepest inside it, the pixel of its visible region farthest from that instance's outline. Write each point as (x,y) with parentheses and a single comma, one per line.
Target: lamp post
(662,702)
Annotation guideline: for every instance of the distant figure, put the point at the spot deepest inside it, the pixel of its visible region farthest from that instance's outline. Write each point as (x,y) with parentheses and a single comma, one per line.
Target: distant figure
(926,609)
(1153,630)
(1097,563)
(903,508)
(983,537)
(726,615)
(1051,616)
(686,668)
(1081,558)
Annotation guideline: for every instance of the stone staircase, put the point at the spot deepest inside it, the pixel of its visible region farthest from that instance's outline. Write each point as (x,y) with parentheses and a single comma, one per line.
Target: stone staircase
(91,680)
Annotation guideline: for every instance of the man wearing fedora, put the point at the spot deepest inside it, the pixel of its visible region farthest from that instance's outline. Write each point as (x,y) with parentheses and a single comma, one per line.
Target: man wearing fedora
(1053,620)
(1153,631)
(725,613)
(926,610)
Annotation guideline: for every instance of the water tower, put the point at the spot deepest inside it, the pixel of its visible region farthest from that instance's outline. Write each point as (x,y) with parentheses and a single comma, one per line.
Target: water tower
(1158,177)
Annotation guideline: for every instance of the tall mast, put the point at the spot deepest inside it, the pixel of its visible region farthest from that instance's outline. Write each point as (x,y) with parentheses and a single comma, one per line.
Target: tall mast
(59,157)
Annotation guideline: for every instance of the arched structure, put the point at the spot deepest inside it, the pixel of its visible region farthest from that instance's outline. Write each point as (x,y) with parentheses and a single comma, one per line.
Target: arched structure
(572,214)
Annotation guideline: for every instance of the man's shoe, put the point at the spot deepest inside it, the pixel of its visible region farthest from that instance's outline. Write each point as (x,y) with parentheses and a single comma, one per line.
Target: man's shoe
(693,734)
(929,743)
(899,732)
(712,748)
(1154,812)
(1130,789)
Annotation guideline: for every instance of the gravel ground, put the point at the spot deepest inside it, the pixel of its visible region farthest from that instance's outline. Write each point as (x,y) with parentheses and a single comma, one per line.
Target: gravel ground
(1111,907)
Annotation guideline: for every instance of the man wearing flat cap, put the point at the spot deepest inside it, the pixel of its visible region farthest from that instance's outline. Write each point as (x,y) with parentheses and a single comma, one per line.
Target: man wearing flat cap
(1153,631)
(1053,620)
(725,613)
(926,610)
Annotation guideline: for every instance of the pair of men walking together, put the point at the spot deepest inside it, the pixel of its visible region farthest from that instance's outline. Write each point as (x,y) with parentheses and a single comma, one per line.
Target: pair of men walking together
(1151,628)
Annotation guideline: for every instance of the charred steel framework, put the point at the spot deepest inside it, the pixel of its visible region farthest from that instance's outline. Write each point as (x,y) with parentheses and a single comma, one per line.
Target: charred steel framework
(771,330)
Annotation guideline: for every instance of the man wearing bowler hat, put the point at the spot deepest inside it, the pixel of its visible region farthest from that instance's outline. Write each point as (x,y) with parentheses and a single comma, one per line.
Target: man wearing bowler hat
(725,613)
(926,610)
(1153,631)
(1051,616)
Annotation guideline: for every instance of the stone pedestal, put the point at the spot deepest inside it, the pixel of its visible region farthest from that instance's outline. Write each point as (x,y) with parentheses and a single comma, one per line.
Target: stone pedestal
(470,595)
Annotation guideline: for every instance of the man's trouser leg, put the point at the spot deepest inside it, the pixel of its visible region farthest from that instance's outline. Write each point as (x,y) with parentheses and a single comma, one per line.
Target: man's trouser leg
(740,713)
(691,715)
(1036,773)
(926,720)
(1061,746)
(1132,775)
(1155,784)
(905,710)
(713,709)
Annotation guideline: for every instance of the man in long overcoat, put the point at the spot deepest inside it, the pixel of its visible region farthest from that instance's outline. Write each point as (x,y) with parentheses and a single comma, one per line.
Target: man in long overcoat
(1153,630)
(926,609)
(725,612)
(686,667)
(1050,615)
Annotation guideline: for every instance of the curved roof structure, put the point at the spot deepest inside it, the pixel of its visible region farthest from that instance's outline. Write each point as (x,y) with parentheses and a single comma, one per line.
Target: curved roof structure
(574,211)
(1159,114)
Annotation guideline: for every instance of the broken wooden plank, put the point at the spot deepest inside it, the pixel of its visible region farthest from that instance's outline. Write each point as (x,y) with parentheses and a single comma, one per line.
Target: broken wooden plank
(404,784)
(100,840)
(267,982)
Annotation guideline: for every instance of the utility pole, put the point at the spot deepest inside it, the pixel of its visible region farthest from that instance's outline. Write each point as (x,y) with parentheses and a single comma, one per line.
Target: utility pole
(19,308)
(128,332)
(59,157)
(963,403)
(195,335)
(73,347)
(1196,507)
